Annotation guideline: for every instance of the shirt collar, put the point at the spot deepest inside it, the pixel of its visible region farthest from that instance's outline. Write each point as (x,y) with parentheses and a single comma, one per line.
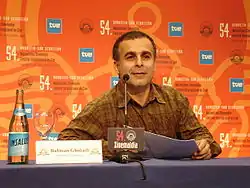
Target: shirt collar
(153,95)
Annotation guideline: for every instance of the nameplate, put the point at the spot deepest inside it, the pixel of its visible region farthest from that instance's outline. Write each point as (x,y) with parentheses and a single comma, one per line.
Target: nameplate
(68,151)
(125,139)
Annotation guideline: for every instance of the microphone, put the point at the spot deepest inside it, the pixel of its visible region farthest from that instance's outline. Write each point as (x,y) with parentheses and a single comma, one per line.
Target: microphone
(128,156)
(125,79)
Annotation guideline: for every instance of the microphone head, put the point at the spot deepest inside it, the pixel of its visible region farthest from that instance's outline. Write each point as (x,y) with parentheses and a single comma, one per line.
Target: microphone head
(126,77)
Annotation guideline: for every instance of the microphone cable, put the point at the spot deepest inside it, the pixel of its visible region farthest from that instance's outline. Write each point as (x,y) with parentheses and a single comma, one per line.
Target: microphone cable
(144,176)
(125,157)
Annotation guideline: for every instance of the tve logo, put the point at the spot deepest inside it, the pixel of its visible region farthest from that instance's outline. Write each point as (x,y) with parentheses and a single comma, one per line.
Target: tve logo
(86,55)
(236,85)
(54,26)
(175,29)
(28,110)
(114,81)
(206,57)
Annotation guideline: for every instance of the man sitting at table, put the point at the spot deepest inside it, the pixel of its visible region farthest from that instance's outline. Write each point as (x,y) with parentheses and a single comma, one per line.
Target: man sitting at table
(159,109)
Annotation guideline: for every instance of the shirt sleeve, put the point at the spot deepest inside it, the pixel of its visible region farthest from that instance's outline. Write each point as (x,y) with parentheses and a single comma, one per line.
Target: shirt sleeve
(191,128)
(86,126)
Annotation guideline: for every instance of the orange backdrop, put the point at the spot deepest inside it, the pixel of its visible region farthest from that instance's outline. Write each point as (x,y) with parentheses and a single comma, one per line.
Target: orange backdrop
(59,52)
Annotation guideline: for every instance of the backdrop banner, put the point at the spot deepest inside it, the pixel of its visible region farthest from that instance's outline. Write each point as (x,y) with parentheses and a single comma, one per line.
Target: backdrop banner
(60,53)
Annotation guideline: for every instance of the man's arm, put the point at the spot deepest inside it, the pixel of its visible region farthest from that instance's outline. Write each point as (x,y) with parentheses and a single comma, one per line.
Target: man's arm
(86,126)
(190,127)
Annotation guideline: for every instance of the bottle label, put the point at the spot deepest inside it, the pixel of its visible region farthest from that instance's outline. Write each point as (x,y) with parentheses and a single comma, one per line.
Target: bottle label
(18,144)
(19,112)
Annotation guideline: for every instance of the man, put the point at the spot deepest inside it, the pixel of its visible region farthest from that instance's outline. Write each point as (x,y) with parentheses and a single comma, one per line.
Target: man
(161,110)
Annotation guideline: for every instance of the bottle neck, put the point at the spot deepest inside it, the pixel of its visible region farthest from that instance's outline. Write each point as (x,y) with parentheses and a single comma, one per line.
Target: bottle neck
(19,99)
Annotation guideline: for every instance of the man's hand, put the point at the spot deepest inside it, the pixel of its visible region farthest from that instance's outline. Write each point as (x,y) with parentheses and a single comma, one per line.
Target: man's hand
(204,151)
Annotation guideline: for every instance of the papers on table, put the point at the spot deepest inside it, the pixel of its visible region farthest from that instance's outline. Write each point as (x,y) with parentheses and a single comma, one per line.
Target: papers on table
(162,147)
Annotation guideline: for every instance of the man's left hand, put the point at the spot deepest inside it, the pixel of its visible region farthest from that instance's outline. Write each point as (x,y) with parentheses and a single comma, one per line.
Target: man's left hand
(204,151)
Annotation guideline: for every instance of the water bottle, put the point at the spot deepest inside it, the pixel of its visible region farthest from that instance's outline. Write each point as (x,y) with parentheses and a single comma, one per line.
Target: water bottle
(18,144)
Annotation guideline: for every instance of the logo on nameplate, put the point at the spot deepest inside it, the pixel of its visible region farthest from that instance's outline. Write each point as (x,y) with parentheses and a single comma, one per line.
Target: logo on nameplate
(43,152)
(126,139)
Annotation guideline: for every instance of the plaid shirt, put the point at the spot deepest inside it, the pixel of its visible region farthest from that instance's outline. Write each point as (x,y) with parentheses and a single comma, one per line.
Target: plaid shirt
(167,112)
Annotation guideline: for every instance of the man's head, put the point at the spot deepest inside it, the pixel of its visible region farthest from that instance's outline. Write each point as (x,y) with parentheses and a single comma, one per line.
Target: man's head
(134,53)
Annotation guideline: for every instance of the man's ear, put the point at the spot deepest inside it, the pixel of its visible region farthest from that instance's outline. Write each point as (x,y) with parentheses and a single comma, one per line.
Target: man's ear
(116,65)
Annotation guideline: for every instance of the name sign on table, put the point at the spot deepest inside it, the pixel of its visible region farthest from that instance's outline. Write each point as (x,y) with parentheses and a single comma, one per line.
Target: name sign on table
(69,151)
(125,139)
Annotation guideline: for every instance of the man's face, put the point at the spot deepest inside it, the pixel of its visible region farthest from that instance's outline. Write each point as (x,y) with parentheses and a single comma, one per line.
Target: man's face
(137,60)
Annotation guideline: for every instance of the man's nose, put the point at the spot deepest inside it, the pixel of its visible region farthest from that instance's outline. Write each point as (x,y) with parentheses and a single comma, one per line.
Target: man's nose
(139,61)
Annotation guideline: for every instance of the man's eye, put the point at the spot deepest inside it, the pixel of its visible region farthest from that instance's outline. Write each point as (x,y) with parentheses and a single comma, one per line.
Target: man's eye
(130,57)
(146,57)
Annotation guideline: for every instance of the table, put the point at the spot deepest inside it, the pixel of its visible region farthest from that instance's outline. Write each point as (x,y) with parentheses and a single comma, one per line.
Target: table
(214,173)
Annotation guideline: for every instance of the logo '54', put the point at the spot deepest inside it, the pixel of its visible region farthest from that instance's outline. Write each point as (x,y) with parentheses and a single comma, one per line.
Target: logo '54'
(119,135)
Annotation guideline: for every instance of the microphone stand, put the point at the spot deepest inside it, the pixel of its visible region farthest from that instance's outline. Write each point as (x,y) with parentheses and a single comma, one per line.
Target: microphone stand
(126,106)
(128,156)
